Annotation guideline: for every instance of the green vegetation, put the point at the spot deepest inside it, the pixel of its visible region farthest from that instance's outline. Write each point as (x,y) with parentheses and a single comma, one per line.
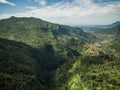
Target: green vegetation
(39,55)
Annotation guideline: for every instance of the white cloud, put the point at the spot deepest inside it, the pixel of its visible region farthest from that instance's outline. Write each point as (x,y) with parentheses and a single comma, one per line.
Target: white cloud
(75,13)
(31,7)
(7,2)
(83,2)
(41,2)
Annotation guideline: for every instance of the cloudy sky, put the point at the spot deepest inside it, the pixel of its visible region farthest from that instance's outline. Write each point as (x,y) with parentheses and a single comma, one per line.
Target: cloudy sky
(69,12)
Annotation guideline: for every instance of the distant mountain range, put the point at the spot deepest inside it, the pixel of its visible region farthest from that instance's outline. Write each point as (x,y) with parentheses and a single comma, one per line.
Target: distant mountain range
(40,55)
(115,24)
(88,27)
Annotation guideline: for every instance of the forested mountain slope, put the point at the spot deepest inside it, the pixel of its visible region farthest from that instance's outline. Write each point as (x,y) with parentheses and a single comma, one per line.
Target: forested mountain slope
(36,31)
(97,68)
(39,55)
(19,70)
(32,49)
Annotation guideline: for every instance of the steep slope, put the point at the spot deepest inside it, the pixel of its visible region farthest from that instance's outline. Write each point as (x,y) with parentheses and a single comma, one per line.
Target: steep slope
(26,68)
(36,31)
(97,68)
(18,68)
(39,55)
(34,49)
(89,73)
(108,37)
(116,42)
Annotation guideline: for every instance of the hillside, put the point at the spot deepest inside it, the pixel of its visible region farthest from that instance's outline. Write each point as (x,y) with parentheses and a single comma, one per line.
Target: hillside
(39,55)
(109,35)
(19,69)
(36,47)
(97,68)
(37,33)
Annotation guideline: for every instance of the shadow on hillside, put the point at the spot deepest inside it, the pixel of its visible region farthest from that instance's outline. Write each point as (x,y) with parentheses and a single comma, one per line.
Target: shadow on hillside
(25,68)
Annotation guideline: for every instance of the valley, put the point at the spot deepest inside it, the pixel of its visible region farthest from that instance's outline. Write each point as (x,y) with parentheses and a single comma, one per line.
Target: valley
(39,55)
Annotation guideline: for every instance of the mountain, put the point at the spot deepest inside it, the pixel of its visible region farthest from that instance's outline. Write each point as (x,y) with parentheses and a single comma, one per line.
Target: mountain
(40,55)
(33,48)
(97,68)
(19,70)
(115,24)
(100,27)
(37,32)
(109,37)
(112,29)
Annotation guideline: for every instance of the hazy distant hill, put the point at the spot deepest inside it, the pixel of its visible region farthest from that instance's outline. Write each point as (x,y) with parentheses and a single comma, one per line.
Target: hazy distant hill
(100,27)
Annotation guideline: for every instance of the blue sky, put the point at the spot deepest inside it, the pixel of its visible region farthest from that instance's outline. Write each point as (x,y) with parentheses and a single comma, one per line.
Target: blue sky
(69,12)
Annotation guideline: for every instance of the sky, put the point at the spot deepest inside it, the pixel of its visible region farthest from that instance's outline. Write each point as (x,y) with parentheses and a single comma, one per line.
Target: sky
(68,12)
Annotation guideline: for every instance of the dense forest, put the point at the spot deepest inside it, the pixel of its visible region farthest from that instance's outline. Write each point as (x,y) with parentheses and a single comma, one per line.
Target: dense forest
(39,55)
